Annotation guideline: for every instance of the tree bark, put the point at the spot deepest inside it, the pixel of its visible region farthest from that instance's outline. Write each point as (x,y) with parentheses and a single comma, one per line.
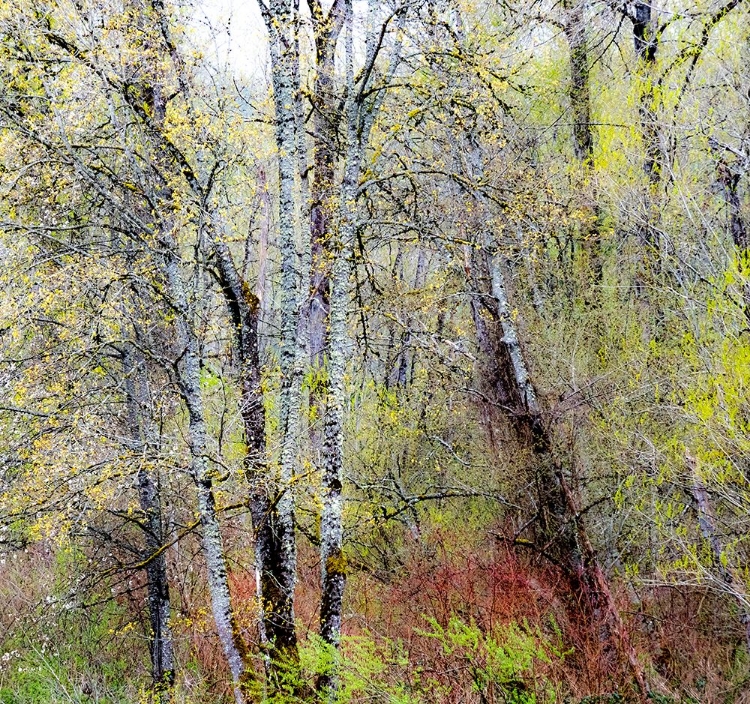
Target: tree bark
(333,563)
(563,532)
(326,118)
(646,44)
(583,137)
(324,205)
(261,285)
(281,24)
(189,380)
(580,90)
(161,645)
(276,607)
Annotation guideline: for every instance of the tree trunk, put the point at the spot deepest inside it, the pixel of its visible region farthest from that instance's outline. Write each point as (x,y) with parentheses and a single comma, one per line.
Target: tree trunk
(562,534)
(333,562)
(729,180)
(281,24)
(326,117)
(646,45)
(161,646)
(324,201)
(583,138)
(265,225)
(189,380)
(562,530)
(580,91)
(276,607)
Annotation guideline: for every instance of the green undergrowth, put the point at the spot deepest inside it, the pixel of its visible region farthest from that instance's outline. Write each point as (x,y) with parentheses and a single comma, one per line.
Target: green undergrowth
(509,663)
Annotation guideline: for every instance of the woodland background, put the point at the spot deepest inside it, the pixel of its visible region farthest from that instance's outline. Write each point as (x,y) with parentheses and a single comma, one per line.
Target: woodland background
(413,368)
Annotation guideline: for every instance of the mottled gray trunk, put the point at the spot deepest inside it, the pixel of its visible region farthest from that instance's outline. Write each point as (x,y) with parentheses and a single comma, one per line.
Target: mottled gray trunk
(326,117)
(495,369)
(161,646)
(188,375)
(359,114)
(333,562)
(265,225)
(558,529)
(304,212)
(304,227)
(151,115)
(189,380)
(324,202)
(142,438)
(281,24)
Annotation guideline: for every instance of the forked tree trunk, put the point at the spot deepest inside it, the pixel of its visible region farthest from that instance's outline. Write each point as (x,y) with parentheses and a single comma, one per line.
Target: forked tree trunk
(188,380)
(277,615)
